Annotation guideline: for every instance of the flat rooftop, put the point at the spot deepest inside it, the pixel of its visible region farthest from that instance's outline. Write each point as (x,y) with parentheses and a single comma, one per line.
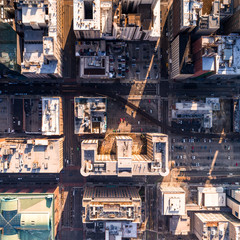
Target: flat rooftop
(156,24)
(217,217)
(33,60)
(94,66)
(221,54)
(86,15)
(33,14)
(52,123)
(31,156)
(90,115)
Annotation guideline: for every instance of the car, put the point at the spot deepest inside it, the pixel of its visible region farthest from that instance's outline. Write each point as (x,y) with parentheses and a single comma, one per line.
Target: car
(205,140)
(173,140)
(183,140)
(193,157)
(228,157)
(197,164)
(228,148)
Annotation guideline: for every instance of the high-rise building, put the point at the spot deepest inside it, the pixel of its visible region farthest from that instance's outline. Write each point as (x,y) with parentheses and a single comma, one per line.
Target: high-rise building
(217,56)
(172,201)
(232,25)
(216,225)
(201,15)
(124,163)
(42,54)
(52,116)
(92,19)
(181,57)
(132,20)
(20,155)
(137,20)
(90,115)
(111,203)
(29,213)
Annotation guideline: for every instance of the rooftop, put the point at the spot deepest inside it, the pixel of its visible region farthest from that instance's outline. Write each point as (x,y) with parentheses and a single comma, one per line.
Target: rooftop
(202,13)
(33,60)
(111,203)
(26,215)
(221,54)
(90,115)
(94,66)
(172,200)
(217,217)
(33,15)
(52,116)
(120,230)
(31,156)
(124,163)
(156,23)
(86,15)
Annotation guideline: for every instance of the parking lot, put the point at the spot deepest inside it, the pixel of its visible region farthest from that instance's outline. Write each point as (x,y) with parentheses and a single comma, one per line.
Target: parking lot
(203,152)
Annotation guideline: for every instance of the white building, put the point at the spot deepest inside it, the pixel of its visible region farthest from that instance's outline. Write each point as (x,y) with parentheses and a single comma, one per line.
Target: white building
(42,54)
(233,201)
(172,201)
(34,16)
(52,118)
(216,226)
(124,163)
(31,155)
(92,19)
(211,197)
